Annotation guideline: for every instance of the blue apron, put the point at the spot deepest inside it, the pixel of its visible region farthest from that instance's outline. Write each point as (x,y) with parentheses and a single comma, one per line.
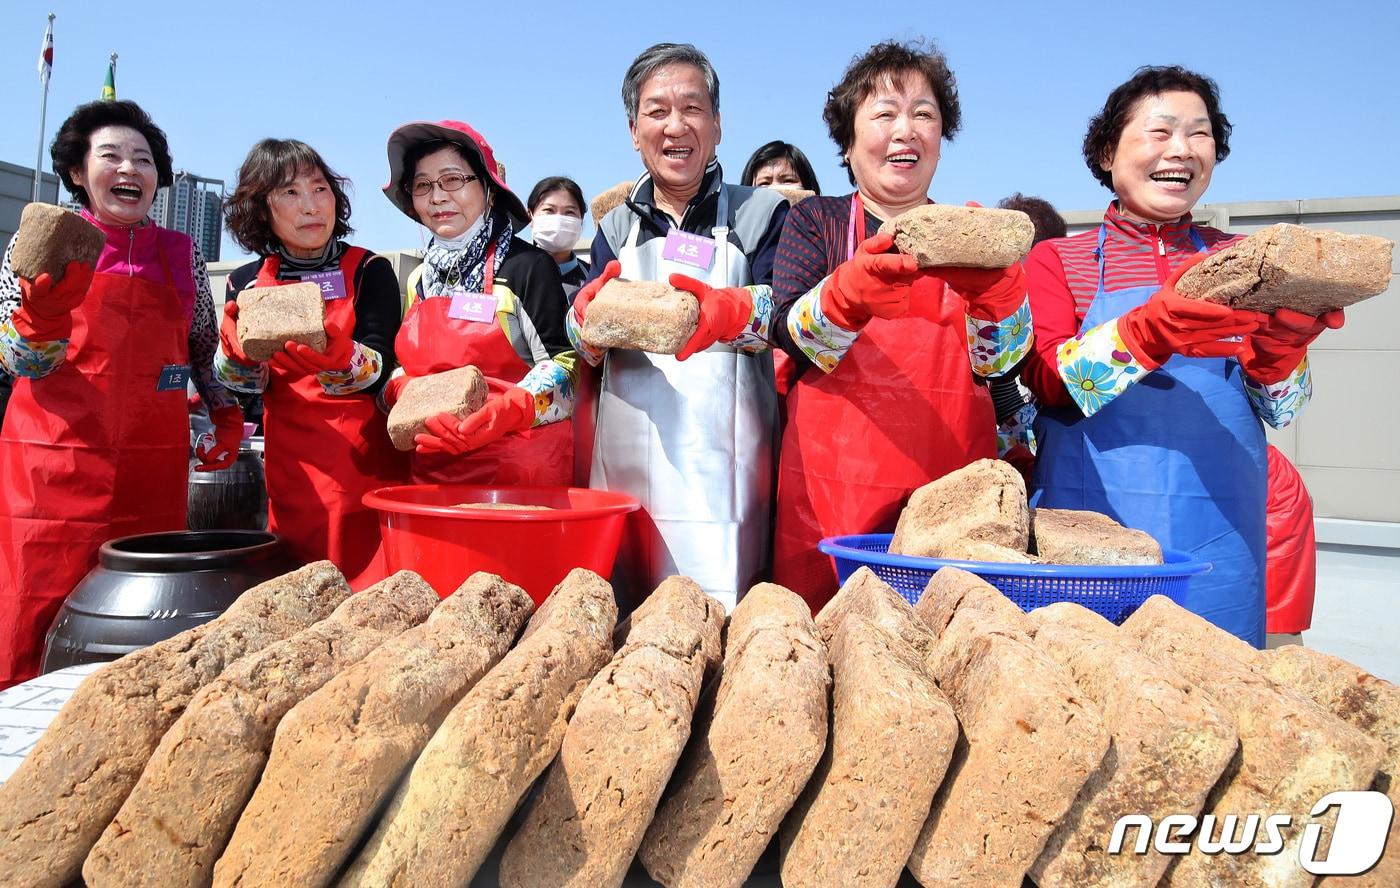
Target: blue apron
(1180,455)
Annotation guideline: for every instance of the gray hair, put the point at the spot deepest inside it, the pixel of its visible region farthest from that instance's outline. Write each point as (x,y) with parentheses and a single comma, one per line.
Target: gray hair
(659,56)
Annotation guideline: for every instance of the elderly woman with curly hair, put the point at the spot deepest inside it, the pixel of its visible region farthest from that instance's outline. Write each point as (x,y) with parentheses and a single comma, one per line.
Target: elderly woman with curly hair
(1151,403)
(326,443)
(889,354)
(96,437)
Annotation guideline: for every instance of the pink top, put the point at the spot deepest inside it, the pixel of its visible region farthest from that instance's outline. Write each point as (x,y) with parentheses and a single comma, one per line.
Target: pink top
(137,251)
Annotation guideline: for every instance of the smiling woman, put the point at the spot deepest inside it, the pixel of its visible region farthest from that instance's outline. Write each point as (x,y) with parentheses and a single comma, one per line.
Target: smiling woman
(885,401)
(326,443)
(1108,319)
(96,436)
(487,298)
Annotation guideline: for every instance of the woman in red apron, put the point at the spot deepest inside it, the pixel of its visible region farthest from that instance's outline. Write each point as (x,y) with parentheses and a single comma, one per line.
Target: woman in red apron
(325,439)
(96,437)
(482,297)
(888,396)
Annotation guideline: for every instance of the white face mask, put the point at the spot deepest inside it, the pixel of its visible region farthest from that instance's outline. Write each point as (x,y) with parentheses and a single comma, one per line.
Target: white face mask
(555,232)
(461,240)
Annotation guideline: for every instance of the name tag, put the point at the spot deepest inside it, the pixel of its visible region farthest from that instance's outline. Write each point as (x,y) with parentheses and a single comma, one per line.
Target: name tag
(472,306)
(173,377)
(332,283)
(694,250)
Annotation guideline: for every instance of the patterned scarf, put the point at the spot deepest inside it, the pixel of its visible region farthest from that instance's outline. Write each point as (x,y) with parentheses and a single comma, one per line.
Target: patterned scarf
(447,268)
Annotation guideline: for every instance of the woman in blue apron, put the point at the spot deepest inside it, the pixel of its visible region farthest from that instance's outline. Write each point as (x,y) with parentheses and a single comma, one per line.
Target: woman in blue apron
(1152,403)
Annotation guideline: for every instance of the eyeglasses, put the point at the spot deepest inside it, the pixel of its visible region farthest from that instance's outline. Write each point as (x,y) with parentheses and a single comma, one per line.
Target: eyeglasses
(447,182)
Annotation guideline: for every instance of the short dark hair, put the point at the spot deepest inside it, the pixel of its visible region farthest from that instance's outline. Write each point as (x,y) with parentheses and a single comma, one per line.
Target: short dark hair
(549,184)
(1107,126)
(658,56)
(71,143)
(420,150)
(885,62)
(780,150)
(1047,220)
(271,164)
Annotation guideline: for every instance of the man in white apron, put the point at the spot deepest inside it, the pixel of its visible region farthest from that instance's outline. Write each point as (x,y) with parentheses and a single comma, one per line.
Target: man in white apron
(692,439)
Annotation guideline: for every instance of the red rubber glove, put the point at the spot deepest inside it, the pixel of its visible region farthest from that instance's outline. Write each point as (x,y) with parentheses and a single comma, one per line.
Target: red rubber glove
(992,294)
(1168,324)
(228,434)
(585,294)
(393,389)
(228,335)
(724,313)
(303,360)
(46,307)
(507,413)
(1281,342)
(873,283)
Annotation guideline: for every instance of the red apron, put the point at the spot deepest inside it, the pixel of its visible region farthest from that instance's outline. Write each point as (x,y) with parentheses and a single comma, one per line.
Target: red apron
(91,452)
(323,453)
(1290,561)
(430,342)
(900,410)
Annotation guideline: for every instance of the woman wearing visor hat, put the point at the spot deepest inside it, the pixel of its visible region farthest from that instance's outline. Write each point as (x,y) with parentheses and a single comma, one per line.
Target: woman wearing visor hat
(482,297)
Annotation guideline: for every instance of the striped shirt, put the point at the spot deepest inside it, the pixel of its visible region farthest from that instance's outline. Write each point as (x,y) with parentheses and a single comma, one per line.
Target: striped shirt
(1063,276)
(814,242)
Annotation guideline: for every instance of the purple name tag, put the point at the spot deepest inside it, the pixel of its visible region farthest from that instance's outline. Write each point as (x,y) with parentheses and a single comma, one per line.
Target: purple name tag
(472,306)
(332,283)
(689,249)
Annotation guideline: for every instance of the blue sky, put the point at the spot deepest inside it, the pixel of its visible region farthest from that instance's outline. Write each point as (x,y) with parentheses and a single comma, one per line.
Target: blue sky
(1310,87)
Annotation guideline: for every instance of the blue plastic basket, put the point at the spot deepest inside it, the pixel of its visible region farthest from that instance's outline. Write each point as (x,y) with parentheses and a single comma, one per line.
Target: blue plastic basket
(1112,592)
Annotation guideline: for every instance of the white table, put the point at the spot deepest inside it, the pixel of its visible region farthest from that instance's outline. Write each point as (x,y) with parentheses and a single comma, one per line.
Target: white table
(27,708)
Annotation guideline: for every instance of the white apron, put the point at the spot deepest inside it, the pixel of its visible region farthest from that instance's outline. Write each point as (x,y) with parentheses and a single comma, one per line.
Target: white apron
(693,441)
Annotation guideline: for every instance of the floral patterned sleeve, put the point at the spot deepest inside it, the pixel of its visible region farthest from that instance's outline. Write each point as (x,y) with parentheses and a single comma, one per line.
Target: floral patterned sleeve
(20,357)
(997,346)
(365,366)
(757,333)
(1097,367)
(552,384)
(823,341)
(1279,403)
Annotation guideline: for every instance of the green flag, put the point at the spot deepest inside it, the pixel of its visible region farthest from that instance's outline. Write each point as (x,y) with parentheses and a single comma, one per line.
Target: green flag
(109,88)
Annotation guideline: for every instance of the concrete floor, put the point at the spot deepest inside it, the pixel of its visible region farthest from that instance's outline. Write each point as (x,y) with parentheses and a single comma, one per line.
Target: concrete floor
(1356,615)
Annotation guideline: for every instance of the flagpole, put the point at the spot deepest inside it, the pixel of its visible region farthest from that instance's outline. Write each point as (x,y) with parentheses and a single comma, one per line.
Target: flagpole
(43,114)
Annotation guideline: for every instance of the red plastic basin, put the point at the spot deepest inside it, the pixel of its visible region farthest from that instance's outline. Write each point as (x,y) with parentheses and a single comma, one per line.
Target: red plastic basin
(534,549)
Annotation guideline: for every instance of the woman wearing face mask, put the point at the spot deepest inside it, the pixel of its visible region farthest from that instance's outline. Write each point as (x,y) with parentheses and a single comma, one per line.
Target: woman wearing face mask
(482,297)
(556,219)
(780,164)
(96,437)
(1151,404)
(886,400)
(326,444)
